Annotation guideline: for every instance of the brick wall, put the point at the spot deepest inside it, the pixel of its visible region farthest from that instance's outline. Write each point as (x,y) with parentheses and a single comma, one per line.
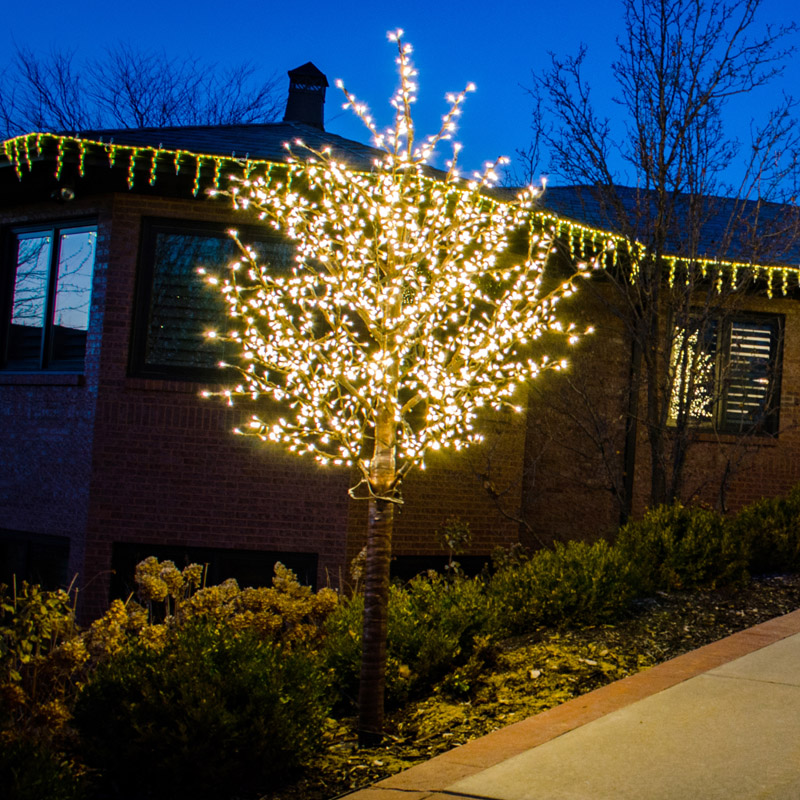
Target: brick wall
(166,467)
(758,466)
(110,458)
(114,458)
(575,440)
(46,421)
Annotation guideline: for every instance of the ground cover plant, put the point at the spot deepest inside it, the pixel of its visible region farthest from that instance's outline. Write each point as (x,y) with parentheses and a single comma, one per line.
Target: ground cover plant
(251,692)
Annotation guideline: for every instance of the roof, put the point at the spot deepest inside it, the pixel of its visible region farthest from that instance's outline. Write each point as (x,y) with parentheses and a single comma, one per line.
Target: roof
(728,228)
(200,153)
(265,141)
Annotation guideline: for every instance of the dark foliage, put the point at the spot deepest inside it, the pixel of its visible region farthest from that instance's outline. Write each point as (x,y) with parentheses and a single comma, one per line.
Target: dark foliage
(213,712)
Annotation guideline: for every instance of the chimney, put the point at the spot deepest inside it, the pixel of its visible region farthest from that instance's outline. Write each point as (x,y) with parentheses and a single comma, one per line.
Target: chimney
(306,101)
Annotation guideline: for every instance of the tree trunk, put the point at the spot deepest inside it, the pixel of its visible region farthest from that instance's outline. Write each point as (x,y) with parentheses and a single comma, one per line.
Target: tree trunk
(631,431)
(376,585)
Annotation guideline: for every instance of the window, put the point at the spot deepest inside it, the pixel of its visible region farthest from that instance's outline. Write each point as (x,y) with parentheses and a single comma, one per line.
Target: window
(50,289)
(175,307)
(36,558)
(726,373)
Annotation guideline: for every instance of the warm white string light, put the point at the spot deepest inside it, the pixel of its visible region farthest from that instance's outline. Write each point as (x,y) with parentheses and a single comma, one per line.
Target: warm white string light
(404,302)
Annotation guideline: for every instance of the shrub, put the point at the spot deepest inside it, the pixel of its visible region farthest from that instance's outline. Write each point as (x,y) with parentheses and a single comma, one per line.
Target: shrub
(572,584)
(33,770)
(35,626)
(770,532)
(341,651)
(41,661)
(674,547)
(434,623)
(209,710)
(286,612)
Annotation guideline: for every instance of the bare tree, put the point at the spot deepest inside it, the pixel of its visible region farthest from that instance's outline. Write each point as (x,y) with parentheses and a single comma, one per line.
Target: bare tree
(129,88)
(525,170)
(681,63)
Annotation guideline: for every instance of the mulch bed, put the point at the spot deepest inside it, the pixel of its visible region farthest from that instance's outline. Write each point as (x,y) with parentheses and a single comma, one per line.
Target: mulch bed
(530,674)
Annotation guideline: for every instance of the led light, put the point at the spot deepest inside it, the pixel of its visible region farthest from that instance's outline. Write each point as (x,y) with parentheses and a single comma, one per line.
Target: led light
(386,330)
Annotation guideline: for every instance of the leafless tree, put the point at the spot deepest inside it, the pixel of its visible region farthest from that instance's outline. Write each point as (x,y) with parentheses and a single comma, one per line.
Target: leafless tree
(525,169)
(681,64)
(129,88)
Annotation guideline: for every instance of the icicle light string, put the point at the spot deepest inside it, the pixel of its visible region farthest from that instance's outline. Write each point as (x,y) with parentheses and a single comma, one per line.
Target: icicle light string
(582,241)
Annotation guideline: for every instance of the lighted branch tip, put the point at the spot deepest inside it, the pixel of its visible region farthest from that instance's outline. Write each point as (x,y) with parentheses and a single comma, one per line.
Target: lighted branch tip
(289,359)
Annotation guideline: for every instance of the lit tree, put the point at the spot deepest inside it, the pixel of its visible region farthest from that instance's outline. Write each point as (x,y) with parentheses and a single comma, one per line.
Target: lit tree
(403,317)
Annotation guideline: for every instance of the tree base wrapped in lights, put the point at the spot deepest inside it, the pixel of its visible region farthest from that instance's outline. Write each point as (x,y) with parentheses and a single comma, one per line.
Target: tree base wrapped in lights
(403,317)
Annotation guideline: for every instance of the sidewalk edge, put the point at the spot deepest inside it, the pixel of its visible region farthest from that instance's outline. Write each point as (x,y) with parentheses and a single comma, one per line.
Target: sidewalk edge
(426,779)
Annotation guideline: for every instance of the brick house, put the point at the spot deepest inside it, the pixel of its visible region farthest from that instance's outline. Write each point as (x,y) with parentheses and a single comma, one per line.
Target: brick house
(587,456)
(108,452)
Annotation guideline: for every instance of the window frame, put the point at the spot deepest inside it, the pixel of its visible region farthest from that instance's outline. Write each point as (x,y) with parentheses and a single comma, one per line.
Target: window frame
(47,362)
(151,227)
(769,424)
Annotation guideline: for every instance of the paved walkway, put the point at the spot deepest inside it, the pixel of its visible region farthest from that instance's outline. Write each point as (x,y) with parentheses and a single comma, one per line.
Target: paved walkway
(721,722)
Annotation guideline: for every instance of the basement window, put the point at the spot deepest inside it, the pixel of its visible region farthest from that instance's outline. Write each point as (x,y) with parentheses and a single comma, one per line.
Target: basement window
(725,373)
(49,289)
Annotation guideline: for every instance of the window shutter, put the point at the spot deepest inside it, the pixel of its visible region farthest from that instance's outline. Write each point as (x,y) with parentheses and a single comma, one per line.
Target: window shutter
(749,378)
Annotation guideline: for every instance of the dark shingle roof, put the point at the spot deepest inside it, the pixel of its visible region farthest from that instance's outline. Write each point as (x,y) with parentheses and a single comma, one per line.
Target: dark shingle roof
(765,232)
(726,227)
(256,141)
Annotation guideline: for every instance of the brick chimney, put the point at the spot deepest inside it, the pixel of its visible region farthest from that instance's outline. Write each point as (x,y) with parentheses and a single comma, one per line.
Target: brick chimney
(306,102)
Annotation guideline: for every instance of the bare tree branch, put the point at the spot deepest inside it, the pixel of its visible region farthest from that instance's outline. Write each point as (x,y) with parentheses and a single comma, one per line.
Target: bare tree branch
(681,63)
(130,88)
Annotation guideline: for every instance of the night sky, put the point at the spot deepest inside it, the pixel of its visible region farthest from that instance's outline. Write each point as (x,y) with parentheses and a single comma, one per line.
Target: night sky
(494,44)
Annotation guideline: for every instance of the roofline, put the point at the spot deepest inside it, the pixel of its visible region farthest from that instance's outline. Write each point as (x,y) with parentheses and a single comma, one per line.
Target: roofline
(17,153)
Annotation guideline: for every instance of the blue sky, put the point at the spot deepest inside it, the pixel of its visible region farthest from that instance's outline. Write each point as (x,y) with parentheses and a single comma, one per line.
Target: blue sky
(494,44)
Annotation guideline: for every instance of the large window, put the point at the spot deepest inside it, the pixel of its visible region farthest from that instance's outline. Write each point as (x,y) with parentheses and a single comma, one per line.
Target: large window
(175,308)
(726,373)
(49,286)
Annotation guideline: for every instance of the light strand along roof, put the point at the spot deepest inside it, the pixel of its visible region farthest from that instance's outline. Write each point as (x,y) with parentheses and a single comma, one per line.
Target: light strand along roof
(211,151)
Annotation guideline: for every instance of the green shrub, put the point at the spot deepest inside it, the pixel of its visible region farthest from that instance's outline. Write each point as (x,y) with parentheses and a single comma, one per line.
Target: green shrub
(208,711)
(36,627)
(286,612)
(434,624)
(770,532)
(572,584)
(341,650)
(33,770)
(41,662)
(674,547)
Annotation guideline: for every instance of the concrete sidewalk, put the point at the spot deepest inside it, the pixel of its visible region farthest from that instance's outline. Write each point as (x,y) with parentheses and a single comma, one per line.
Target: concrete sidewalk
(719,722)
